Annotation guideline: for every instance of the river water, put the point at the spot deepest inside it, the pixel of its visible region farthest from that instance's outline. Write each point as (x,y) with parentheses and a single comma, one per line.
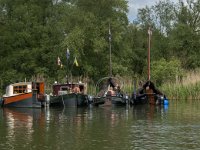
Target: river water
(176,126)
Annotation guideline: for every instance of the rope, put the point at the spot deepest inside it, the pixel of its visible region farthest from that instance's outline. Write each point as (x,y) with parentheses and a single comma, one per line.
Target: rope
(63,102)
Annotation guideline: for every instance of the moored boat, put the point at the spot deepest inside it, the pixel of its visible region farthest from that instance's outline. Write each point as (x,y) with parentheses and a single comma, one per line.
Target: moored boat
(1,100)
(148,93)
(69,95)
(24,94)
(110,94)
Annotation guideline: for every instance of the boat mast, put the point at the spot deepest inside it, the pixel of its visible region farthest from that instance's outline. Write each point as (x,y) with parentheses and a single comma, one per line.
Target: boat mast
(67,55)
(149,46)
(110,51)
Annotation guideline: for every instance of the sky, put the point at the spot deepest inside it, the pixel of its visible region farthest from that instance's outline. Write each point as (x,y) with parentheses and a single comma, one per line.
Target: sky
(134,5)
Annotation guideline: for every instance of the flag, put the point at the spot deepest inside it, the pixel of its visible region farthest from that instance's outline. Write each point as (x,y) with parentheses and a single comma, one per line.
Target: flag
(76,62)
(67,54)
(58,61)
(61,65)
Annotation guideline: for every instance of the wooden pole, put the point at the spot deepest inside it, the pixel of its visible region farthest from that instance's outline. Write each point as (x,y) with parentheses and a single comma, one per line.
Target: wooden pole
(67,56)
(149,52)
(110,51)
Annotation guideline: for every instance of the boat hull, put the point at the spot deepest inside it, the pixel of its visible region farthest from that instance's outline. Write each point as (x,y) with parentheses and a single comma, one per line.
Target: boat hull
(69,100)
(148,94)
(151,99)
(118,100)
(22,100)
(1,102)
(139,99)
(110,100)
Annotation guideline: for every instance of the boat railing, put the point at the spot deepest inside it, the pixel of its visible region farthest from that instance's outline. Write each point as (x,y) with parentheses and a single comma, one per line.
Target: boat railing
(62,92)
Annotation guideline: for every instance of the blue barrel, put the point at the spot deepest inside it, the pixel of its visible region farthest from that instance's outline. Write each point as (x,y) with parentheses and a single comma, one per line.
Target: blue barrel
(166,101)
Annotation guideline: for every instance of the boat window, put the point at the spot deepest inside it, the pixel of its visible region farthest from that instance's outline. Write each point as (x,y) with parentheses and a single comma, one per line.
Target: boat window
(81,88)
(64,88)
(20,89)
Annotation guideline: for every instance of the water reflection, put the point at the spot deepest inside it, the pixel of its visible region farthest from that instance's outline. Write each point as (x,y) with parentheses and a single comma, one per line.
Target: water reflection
(20,125)
(83,128)
(149,112)
(117,128)
(172,127)
(65,126)
(75,128)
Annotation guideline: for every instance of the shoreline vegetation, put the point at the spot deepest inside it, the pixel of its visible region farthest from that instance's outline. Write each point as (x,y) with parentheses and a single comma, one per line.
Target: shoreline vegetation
(185,89)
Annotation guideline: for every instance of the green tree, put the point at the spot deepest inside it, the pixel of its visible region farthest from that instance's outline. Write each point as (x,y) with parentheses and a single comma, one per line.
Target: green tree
(184,38)
(166,71)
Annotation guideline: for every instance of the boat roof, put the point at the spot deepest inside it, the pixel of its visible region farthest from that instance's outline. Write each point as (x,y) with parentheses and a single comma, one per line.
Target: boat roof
(69,83)
(21,83)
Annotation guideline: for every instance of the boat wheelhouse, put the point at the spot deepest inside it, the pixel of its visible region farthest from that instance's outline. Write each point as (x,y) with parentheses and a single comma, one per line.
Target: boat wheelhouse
(69,95)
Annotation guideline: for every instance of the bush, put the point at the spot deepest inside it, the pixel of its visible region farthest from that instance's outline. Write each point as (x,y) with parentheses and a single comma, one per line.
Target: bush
(164,71)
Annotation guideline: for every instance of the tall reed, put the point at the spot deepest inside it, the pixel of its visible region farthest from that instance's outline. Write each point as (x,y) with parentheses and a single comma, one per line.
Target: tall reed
(187,88)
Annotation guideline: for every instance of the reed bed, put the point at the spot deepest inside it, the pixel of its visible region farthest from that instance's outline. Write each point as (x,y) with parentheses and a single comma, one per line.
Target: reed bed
(91,89)
(187,89)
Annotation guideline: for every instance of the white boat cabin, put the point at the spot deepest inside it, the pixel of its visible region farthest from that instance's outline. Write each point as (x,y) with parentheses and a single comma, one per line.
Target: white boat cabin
(23,87)
(18,88)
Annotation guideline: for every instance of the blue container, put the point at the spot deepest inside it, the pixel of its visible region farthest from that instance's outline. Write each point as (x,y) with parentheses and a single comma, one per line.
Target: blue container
(166,101)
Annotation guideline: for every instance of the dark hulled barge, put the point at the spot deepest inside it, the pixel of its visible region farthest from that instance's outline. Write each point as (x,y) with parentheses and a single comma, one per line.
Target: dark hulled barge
(69,95)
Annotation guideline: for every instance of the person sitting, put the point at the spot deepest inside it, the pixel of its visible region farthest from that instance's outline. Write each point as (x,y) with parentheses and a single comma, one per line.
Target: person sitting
(150,85)
(111,92)
(76,89)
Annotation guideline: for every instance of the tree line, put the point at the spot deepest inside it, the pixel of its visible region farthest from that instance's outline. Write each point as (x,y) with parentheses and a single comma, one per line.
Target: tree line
(35,33)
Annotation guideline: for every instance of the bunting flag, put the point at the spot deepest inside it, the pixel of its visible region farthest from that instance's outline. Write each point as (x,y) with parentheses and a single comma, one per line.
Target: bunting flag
(76,62)
(58,61)
(61,65)
(67,54)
